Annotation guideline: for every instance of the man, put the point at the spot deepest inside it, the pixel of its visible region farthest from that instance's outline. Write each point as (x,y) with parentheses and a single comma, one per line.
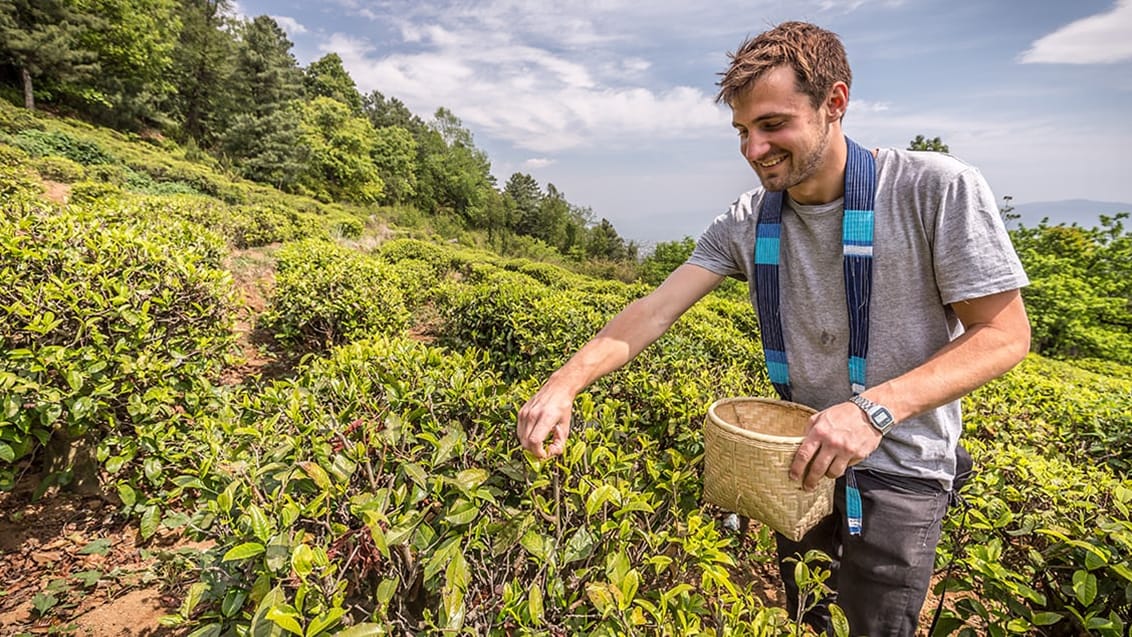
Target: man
(887,289)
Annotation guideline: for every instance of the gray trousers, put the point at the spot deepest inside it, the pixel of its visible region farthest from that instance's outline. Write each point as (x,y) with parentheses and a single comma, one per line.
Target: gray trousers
(881,577)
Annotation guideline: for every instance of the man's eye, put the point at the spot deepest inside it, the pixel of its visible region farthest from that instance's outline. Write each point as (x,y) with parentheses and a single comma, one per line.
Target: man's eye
(769,126)
(741,132)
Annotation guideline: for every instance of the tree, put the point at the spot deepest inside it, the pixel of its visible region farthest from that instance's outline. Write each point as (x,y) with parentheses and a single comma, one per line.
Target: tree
(327,77)
(266,72)
(42,39)
(526,195)
(603,242)
(666,257)
(269,148)
(341,147)
(395,155)
(384,112)
(202,69)
(134,42)
(936,144)
(455,176)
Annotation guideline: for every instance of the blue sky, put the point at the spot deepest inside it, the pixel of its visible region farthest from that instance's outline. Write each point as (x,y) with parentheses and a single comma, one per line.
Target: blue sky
(612,101)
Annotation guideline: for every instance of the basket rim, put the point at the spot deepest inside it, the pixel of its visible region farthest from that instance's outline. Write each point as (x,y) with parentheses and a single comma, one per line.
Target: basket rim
(753,435)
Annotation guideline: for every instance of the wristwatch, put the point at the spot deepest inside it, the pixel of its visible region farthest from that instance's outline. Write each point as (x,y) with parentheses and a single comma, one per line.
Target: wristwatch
(880,417)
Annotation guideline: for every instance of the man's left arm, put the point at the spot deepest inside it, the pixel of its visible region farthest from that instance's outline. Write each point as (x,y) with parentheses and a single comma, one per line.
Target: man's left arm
(996,337)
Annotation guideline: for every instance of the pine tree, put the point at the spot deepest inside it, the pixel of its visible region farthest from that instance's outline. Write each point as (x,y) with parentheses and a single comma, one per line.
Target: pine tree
(42,39)
(327,77)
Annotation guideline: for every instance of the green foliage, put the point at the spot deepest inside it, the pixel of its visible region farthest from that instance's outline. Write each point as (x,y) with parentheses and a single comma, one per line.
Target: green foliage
(922,143)
(59,169)
(43,41)
(1050,531)
(18,185)
(105,321)
(326,295)
(340,147)
(1080,297)
(666,257)
(326,77)
(39,143)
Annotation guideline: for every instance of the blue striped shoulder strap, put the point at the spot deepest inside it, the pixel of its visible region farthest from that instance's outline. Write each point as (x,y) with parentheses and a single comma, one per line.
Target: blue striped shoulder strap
(857,260)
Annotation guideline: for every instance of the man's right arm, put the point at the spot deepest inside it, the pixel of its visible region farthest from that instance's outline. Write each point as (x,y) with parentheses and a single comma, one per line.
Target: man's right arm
(547,413)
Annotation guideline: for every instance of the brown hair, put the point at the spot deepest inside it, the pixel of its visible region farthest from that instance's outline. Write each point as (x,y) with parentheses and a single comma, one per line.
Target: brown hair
(816,55)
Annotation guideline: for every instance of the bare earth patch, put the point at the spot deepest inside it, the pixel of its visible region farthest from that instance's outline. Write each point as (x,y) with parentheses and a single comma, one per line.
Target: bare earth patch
(56,191)
(73,565)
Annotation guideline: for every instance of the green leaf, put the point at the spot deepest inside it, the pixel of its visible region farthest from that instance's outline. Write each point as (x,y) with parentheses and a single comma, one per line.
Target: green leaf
(534,604)
(362,630)
(629,585)
(286,619)
(150,519)
(461,512)
(324,621)
(1085,587)
(98,547)
(88,578)
(233,601)
(243,551)
(535,544)
(456,575)
(126,494)
(1046,618)
(601,495)
(302,560)
(43,602)
(580,546)
(838,621)
(259,523)
(7,454)
(316,473)
(469,479)
(385,591)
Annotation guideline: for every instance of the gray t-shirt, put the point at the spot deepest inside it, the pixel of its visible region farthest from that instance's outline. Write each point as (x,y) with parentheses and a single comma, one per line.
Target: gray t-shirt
(939,240)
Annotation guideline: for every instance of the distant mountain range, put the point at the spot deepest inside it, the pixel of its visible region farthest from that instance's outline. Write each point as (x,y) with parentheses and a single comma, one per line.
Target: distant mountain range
(1083,212)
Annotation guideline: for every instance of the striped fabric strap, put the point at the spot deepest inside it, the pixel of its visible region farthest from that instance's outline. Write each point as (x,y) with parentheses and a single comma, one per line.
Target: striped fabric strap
(857,266)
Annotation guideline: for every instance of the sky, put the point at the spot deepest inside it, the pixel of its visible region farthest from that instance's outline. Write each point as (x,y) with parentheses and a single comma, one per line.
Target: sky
(613,101)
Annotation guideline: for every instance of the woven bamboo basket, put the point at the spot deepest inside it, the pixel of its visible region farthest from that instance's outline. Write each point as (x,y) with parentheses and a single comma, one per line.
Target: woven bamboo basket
(749,444)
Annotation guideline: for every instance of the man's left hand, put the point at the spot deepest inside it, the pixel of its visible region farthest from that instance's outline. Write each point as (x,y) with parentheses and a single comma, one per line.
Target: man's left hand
(838,438)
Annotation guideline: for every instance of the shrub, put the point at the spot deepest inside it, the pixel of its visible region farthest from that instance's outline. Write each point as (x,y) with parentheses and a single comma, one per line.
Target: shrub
(18,185)
(103,323)
(13,156)
(40,143)
(327,295)
(59,169)
(89,192)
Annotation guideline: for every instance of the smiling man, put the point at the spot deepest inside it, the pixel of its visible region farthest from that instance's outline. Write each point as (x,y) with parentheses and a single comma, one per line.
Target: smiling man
(886,289)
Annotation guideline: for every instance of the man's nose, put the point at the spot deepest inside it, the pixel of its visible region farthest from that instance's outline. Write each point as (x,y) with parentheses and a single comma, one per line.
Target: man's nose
(755,147)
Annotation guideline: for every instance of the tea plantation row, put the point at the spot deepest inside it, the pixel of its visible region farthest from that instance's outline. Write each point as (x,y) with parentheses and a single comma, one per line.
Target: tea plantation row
(379,490)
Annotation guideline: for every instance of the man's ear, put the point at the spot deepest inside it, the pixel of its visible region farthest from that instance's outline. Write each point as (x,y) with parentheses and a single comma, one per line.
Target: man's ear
(837,102)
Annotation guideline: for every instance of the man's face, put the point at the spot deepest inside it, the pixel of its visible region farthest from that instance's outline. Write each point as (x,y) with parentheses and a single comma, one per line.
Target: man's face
(781,135)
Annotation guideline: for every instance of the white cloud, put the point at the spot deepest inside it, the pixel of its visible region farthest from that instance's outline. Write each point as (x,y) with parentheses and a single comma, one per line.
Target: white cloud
(538,162)
(290,25)
(539,77)
(865,106)
(1098,39)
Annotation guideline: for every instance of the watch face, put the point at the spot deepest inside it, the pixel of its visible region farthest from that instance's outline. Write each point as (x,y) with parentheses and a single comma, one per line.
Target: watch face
(882,417)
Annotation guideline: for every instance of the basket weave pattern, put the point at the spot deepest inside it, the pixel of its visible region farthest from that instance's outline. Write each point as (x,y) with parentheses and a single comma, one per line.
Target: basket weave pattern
(749,444)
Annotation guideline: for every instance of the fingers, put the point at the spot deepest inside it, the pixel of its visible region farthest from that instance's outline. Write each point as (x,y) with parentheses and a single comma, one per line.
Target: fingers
(539,421)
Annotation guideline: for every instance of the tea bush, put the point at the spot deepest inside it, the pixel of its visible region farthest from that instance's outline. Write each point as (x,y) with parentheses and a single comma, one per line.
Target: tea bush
(59,169)
(103,321)
(1049,530)
(326,295)
(382,490)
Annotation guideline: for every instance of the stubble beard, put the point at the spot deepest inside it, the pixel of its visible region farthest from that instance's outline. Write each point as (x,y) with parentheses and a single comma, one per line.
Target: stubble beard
(808,167)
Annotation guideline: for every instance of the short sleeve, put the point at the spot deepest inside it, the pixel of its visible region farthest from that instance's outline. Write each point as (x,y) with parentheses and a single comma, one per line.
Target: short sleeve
(973,256)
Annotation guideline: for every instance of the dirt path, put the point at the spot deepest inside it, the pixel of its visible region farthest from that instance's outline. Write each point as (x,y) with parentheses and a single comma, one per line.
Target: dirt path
(71,565)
